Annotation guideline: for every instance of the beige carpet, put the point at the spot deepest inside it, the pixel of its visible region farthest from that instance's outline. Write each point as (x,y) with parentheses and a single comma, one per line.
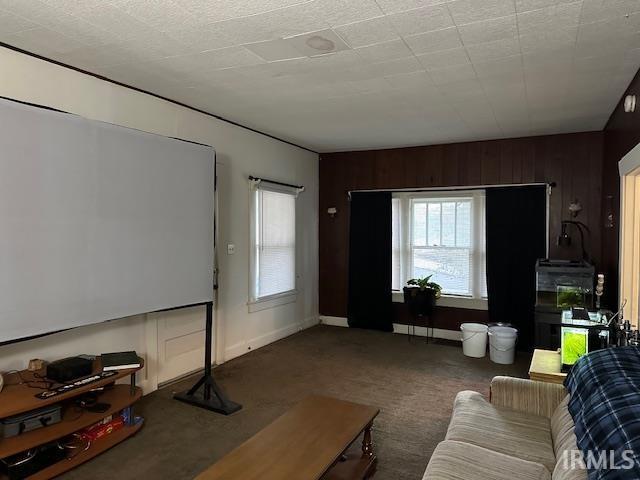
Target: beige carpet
(412,383)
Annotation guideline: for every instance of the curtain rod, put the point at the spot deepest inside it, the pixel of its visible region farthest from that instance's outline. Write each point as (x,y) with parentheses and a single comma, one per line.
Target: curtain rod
(258,179)
(453,188)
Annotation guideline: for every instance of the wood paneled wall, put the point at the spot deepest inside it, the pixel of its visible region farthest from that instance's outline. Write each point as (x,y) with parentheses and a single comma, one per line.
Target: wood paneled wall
(574,162)
(621,134)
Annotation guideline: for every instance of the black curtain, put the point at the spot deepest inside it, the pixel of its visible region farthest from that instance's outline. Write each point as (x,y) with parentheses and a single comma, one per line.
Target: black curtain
(370,261)
(516,237)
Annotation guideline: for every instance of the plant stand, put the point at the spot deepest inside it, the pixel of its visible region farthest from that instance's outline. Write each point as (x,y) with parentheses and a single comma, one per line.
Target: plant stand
(411,327)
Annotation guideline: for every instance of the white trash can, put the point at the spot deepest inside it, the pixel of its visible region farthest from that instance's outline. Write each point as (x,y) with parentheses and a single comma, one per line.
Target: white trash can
(474,339)
(502,344)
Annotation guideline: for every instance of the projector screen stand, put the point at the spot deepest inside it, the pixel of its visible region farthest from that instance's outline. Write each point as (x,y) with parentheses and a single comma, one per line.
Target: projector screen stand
(206,393)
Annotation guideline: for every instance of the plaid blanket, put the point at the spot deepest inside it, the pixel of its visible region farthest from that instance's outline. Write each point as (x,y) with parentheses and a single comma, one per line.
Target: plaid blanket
(605,406)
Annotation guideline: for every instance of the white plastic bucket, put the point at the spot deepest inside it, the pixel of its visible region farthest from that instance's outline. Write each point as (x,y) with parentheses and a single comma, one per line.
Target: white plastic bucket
(502,344)
(474,339)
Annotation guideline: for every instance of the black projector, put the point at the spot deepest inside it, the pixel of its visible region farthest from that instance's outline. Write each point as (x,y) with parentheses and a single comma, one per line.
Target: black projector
(68,369)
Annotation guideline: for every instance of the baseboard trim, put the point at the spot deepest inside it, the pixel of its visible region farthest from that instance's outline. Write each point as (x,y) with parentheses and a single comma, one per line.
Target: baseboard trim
(241,348)
(398,328)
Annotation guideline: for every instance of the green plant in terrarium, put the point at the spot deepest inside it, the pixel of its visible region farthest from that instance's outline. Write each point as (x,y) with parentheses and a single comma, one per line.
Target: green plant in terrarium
(567,297)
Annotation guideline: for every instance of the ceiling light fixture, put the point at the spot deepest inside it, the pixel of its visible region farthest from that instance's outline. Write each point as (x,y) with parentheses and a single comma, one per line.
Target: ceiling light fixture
(320,43)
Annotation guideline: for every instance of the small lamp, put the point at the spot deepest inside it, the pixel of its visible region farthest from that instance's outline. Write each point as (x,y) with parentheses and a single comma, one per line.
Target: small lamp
(564,240)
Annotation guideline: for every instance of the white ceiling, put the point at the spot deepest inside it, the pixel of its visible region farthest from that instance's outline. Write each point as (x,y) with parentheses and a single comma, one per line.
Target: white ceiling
(410,72)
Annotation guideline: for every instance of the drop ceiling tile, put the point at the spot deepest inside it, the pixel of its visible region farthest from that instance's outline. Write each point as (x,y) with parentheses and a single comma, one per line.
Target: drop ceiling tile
(484,52)
(598,10)
(84,32)
(444,58)
(528,5)
(381,52)
(395,67)
(554,17)
(500,67)
(422,20)
(73,7)
(274,50)
(115,21)
(456,73)
(35,11)
(394,6)
(489,30)
(42,40)
(228,58)
(547,41)
(413,80)
(221,10)
(160,14)
(285,22)
(341,12)
(10,23)
(369,32)
(604,31)
(434,41)
(468,11)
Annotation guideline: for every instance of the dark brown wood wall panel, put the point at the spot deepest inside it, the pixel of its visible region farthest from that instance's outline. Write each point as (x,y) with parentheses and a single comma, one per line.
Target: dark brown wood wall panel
(573,161)
(621,134)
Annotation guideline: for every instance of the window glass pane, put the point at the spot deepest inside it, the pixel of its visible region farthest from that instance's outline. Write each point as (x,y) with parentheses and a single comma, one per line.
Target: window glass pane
(450,268)
(419,224)
(463,224)
(433,224)
(449,224)
(276,243)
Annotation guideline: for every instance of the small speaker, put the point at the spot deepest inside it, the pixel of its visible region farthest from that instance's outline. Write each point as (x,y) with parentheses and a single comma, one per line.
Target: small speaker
(69,369)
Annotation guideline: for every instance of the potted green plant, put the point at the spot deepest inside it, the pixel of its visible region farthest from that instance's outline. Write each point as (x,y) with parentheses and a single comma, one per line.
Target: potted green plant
(421,294)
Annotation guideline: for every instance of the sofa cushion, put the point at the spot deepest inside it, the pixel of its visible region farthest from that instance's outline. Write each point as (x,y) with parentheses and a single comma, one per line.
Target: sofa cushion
(461,461)
(513,433)
(565,445)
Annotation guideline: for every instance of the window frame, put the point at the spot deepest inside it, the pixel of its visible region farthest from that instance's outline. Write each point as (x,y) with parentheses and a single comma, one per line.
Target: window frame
(256,302)
(476,300)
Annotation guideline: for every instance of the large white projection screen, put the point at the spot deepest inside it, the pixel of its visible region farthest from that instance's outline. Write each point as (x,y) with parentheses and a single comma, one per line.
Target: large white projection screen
(98,222)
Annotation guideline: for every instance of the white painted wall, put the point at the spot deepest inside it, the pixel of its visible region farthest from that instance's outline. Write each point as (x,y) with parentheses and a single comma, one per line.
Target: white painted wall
(239,154)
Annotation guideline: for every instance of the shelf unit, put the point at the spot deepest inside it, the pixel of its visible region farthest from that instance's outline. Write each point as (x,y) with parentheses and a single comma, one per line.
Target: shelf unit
(20,398)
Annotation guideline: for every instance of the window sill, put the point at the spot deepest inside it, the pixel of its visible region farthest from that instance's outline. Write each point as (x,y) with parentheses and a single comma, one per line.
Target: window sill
(451,301)
(272,301)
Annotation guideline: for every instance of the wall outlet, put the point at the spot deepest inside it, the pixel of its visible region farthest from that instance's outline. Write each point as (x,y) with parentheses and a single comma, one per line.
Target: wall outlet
(231,249)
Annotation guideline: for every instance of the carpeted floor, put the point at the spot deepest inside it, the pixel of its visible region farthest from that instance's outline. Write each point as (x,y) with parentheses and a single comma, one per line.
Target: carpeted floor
(413,384)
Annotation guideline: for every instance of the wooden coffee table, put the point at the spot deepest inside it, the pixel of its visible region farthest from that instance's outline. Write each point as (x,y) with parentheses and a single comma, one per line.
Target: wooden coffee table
(306,443)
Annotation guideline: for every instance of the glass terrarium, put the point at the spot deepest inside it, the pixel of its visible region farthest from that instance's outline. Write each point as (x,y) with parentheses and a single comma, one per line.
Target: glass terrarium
(562,284)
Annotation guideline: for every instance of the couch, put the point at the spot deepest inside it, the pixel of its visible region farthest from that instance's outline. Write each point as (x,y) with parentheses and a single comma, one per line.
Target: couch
(524,431)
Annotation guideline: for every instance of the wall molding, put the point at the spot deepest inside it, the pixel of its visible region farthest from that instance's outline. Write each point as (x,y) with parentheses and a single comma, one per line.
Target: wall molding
(398,328)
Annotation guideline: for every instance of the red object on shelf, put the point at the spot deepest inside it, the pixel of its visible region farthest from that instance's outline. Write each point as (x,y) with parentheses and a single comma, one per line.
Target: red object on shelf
(98,431)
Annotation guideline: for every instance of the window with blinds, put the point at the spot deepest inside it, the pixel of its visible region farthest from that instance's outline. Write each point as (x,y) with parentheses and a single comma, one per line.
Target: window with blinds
(440,235)
(274,243)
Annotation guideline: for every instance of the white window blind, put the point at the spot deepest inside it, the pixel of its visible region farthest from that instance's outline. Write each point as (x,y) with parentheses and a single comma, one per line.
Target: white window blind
(273,261)
(440,235)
